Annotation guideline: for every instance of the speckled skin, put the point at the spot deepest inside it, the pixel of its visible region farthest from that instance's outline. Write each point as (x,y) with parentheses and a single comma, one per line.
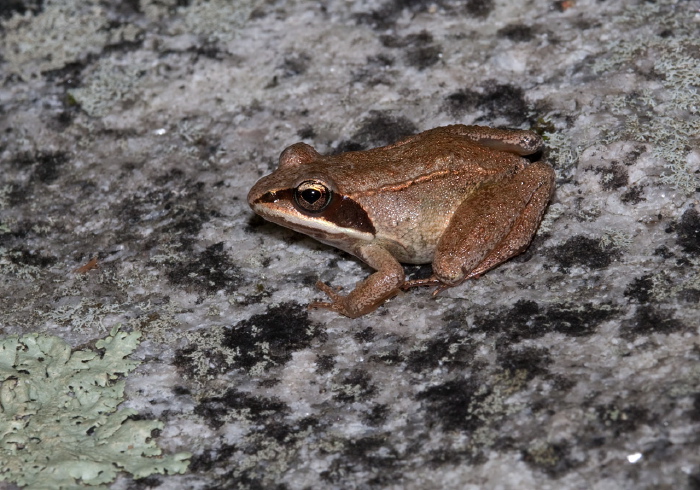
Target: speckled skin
(461,197)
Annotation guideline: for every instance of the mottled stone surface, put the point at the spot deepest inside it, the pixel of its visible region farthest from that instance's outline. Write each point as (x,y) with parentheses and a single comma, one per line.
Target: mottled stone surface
(130,132)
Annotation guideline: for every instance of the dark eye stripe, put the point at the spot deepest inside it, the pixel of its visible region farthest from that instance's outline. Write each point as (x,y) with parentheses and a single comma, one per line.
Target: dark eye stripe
(342,211)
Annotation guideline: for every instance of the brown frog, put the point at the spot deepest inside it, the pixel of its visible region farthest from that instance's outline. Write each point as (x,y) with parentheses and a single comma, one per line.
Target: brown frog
(459,197)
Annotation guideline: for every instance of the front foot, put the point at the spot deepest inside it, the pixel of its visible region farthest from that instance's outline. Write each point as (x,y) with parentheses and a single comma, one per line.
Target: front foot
(338,302)
(360,301)
(345,305)
(369,294)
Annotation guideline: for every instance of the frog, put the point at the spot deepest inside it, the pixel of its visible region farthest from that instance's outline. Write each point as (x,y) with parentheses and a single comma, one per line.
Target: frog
(461,198)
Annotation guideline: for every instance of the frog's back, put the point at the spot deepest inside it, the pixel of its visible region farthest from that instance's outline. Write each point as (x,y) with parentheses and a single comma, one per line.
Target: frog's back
(437,154)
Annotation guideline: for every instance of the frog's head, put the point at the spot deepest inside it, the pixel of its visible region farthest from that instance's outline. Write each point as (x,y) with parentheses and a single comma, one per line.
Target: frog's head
(302,195)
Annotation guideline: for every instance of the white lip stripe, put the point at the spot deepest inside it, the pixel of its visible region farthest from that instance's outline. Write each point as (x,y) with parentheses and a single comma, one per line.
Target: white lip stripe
(290,220)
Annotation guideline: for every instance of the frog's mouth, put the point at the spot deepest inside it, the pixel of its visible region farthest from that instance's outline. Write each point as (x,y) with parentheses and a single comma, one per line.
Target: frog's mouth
(316,226)
(338,233)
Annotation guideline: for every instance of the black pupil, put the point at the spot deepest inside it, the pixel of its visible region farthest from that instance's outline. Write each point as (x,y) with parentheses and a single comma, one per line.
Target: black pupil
(311,195)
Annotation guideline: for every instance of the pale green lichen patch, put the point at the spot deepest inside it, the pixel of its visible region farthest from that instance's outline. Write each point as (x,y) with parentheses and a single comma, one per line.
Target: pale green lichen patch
(59,423)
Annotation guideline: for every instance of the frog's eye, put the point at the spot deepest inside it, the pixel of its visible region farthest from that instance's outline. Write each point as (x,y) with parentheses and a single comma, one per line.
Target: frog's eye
(312,196)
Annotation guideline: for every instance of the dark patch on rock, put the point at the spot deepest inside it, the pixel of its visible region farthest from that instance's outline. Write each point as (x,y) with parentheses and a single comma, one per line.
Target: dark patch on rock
(688,230)
(48,166)
(632,157)
(633,195)
(461,102)
(8,8)
(345,146)
(386,15)
(453,350)
(518,33)
(269,383)
(377,415)
(420,50)
(576,320)
(503,100)
(147,482)
(295,64)
(581,250)
(22,256)
(306,132)
(613,177)
(371,454)
(188,224)
(252,407)
(268,432)
(527,320)
(211,271)
(449,404)
(375,71)
(267,340)
(209,49)
(354,387)
(67,77)
(664,252)
(479,8)
(324,364)
(390,358)
(379,129)
(180,390)
(422,38)
(621,420)
(272,335)
(422,57)
(531,360)
(694,480)
(206,460)
(640,289)
(496,100)
(648,320)
(454,457)
(689,295)
(695,411)
(366,335)
(62,120)
(561,383)
(174,208)
(554,459)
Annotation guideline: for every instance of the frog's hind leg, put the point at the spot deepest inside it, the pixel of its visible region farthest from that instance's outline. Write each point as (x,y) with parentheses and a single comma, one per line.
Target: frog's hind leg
(493,225)
(518,141)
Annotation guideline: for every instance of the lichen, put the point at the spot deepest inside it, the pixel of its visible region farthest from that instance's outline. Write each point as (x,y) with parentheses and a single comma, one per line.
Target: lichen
(668,120)
(563,152)
(109,85)
(217,21)
(84,315)
(65,31)
(9,266)
(59,423)
(615,239)
(665,286)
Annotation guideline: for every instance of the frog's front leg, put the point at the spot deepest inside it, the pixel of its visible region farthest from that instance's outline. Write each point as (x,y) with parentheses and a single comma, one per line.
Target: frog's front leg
(491,226)
(369,294)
